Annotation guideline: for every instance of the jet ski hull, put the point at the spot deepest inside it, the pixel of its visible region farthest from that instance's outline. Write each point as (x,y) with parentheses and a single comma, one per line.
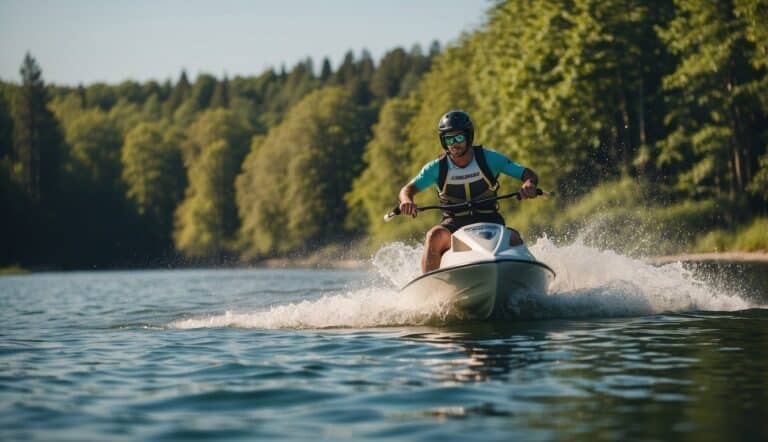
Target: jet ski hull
(484,289)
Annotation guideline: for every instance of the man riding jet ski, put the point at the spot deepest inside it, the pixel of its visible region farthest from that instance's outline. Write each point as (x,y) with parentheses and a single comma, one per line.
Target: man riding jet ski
(471,257)
(463,173)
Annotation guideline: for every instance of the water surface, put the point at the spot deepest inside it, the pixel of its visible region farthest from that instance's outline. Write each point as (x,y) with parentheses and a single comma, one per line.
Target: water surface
(621,350)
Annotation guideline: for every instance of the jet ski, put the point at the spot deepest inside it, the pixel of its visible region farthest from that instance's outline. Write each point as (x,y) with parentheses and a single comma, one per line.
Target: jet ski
(482,275)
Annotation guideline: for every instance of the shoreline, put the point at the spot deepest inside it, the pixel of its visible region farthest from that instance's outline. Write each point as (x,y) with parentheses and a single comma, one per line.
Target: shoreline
(739,257)
(359,264)
(314,263)
(366,264)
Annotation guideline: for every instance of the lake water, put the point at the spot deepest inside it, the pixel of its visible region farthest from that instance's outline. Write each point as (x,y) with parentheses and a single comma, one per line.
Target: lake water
(620,350)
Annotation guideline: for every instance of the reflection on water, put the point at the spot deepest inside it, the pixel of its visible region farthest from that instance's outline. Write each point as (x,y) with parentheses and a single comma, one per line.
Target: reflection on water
(688,376)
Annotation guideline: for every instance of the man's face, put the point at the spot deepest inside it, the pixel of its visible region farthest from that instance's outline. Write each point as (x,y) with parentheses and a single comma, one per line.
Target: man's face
(456,148)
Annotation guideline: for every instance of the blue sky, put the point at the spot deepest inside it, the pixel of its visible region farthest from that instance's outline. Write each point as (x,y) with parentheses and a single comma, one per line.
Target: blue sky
(87,41)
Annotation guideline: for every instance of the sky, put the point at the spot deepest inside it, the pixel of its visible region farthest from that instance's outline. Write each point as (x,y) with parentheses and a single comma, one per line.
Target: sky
(88,41)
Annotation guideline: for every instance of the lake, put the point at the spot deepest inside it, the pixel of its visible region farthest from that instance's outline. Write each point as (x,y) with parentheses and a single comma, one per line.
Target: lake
(621,350)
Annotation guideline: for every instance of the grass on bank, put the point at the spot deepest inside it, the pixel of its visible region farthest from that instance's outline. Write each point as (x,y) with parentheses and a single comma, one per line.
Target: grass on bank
(751,238)
(13,270)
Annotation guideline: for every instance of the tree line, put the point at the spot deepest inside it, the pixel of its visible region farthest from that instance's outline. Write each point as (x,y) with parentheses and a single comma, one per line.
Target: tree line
(618,105)
(152,173)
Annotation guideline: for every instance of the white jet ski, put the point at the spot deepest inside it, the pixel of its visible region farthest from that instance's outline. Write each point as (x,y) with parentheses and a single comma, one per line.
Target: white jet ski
(482,275)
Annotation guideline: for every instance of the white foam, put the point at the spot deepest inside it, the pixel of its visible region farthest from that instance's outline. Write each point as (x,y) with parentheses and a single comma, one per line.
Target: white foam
(593,282)
(590,283)
(372,307)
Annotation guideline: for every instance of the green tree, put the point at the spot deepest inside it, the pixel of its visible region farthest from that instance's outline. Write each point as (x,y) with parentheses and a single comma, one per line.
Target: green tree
(220,96)
(716,123)
(347,71)
(152,109)
(178,94)
(67,107)
(206,221)
(154,173)
(375,189)
(15,229)
(36,136)
(207,218)
(392,68)
(211,126)
(100,95)
(570,92)
(95,141)
(131,91)
(290,194)
(126,115)
(199,99)
(326,71)
(6,124)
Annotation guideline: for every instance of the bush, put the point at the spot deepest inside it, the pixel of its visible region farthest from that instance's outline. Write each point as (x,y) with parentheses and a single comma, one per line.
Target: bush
(751,238)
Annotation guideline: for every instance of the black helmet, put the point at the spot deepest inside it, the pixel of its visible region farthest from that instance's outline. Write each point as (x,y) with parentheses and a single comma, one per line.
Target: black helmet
(456,120)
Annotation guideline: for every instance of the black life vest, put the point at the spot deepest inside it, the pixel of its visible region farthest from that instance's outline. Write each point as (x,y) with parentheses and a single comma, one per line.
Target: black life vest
(484,186)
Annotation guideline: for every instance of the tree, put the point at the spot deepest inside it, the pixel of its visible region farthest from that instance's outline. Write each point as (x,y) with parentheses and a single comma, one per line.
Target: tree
(36,140)
(100,95)
(392,68)
(6,125)
(207,218)
(131,91)
(220,96)
(290,194)
(178,94)
(347,71)
(126,115)
(198,99)
(326,71)
(154,173)
(206,221)
(95,141)
(211,126)
(152,109)
(376,188)
(716,123)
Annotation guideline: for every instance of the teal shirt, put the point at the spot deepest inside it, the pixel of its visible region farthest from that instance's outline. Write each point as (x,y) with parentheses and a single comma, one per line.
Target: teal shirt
(497,162)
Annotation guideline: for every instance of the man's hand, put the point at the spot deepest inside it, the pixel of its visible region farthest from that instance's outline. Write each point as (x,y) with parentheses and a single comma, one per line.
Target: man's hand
(408,208)
(528,190)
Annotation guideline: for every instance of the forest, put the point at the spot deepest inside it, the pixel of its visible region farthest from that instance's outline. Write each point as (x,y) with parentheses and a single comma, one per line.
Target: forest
(648,119)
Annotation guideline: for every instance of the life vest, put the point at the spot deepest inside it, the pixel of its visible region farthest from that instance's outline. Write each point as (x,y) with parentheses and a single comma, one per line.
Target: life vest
(473,182)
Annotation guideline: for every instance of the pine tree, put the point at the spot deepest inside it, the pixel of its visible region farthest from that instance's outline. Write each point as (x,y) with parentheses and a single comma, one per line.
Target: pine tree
(178,94)
(434,49)
(6,126)
(347,70)
(220,96)
(386,80)
(36,140)
(326,71)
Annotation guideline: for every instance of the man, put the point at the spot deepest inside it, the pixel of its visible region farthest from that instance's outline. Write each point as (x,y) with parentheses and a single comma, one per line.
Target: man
(465,172)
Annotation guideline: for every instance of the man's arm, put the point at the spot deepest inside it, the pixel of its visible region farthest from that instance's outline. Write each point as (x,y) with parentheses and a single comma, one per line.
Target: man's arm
(530,180)
(426,177)
(407,206)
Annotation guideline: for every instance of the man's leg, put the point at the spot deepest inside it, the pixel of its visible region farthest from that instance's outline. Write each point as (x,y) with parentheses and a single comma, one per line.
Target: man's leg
(514,237)
(438,241)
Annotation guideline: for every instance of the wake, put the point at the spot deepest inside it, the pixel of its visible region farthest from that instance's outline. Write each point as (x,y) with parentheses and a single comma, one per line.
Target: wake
(590,283)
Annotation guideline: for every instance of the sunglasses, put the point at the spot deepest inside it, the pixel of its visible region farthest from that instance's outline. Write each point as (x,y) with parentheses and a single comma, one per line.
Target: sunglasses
(450,139)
